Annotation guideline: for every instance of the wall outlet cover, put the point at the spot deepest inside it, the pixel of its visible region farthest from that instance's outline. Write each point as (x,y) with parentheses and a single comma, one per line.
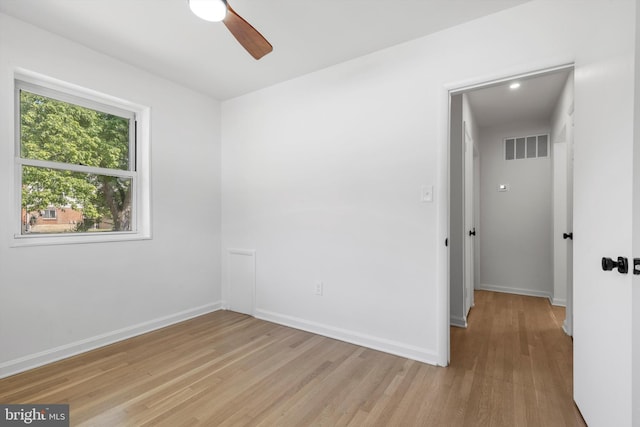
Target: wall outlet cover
(427,194)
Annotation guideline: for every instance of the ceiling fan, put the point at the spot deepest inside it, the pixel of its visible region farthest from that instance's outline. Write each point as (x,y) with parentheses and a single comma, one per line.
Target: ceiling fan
(220,10)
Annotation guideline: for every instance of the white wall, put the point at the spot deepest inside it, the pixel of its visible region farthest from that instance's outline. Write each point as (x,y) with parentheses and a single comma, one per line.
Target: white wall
(322,174)
(58,300)
(516,249)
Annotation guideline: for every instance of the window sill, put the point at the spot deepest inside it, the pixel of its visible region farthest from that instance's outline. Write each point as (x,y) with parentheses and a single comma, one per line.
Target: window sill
(75,239)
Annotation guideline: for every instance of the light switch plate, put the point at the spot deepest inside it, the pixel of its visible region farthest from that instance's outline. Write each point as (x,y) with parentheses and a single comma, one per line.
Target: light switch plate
(427,194)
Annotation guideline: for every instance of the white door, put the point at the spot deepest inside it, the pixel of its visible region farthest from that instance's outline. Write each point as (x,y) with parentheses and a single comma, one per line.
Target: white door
(602,225)
(568,321)
(476,219)
(469,218)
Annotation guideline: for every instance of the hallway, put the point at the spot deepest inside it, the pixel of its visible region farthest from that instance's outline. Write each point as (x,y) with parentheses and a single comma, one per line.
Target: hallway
(512,365)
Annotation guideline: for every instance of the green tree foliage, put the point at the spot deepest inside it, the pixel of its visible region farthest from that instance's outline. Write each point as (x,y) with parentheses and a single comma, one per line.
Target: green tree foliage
(57,131)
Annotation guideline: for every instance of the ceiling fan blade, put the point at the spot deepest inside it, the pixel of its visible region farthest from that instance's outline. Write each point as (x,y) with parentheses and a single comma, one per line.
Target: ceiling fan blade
(248,36)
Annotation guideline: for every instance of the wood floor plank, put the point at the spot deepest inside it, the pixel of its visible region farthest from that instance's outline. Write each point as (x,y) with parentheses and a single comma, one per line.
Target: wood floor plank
(512,366)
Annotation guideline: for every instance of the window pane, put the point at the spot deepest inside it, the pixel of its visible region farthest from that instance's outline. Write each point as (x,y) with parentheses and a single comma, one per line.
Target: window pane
(509,149)
(542,146)
(520,142)
(49,213)
(62,132)
(531,147)
(81,202)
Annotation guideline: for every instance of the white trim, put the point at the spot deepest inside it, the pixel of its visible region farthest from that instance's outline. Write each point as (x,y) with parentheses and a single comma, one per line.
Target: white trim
(517,291)
(492,77)
(459,322)
(99,98)
(120,173)
(246,252)
(443,286)
(420,354)
(22,240)
(139,173)
(560,302)
(456,89)
(566,329)
(35,360)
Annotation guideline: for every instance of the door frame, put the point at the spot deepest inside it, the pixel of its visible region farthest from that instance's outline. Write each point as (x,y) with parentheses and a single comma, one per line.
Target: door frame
(450,90)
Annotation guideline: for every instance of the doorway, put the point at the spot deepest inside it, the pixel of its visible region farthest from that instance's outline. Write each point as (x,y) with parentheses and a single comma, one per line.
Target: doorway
(511,168)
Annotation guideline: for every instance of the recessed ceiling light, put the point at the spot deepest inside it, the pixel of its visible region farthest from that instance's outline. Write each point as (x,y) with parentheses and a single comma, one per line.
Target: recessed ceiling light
(515,85)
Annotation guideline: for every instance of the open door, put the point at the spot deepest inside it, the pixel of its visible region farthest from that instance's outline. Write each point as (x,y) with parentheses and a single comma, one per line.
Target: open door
(568,321)
(603,223)
(469,220)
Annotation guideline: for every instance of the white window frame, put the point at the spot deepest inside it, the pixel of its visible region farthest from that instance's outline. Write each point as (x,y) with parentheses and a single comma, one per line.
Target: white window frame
(138,157)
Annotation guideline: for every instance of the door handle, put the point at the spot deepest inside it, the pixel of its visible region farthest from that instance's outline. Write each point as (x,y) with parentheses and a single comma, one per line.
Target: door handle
(636,266)
(472,232)
(567,236)
(622,264)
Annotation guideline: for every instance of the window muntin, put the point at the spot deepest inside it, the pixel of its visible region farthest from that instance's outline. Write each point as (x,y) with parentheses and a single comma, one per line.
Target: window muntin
(80,156)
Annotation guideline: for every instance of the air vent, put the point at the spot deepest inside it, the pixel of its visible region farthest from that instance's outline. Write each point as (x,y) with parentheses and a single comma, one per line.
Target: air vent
(526,147)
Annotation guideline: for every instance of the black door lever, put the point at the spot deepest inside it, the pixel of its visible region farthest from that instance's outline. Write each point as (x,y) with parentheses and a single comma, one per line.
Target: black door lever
(567,235)
(622,264)
(472,232)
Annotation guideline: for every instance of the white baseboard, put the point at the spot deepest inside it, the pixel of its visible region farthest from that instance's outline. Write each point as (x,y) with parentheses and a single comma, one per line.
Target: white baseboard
(35,360)
(560,302)
(458,321)
(382,344)
(565,328)
(517,291)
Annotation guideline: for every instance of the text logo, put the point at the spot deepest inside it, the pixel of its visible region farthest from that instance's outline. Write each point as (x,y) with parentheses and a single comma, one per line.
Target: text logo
(34,415)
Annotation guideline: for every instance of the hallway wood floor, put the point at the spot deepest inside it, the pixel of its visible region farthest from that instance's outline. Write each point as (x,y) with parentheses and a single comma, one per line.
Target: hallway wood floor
(511,367)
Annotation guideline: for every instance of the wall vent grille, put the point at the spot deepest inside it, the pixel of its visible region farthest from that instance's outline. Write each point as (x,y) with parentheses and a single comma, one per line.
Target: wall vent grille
(526,147)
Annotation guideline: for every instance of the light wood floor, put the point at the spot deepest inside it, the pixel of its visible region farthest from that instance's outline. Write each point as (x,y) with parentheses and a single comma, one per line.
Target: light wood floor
(511,367)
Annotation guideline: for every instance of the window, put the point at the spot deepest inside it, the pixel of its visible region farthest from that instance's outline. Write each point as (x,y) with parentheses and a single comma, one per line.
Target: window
(80,160)
(49,213)
(528,147)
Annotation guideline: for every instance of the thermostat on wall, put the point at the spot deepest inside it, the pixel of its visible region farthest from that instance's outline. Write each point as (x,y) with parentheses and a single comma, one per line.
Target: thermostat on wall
(503,187)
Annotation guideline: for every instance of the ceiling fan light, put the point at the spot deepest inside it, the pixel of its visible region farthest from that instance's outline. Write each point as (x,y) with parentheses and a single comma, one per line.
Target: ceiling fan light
(209,10)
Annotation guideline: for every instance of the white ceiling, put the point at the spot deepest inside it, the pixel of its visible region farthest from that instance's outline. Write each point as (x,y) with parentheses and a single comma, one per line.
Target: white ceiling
(535,99)
(163,37)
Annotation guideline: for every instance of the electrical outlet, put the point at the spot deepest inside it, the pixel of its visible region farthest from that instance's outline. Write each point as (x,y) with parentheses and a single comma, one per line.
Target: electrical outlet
(319,288)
